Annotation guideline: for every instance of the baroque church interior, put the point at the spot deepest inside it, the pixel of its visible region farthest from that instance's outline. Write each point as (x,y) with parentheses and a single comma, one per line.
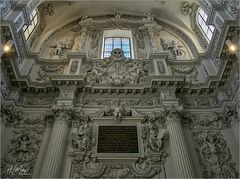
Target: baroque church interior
(119,89)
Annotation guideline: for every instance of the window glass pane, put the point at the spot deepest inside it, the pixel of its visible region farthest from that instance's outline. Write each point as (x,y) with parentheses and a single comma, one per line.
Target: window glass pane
(26,34)
(117,42)
(31,17)
(125,41)
(35,20)
(126,48)
(33,23)
(108,47)
(211,27)
(117,46)
(34,12)
(24,28)
(207,29)
(205,17)
(106,54)
(201,12)
(108,40)
(209,34)
(200,21)
(127,54)
(30,28)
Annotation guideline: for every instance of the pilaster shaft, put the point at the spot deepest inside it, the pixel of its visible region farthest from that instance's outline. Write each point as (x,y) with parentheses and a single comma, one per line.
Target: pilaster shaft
(235,129)
(178,146)
(51,167)
(42,152)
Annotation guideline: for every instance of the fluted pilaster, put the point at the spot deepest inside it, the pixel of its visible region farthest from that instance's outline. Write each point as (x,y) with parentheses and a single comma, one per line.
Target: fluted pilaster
(235,129)
(178,146)
(42,152)
(53,160)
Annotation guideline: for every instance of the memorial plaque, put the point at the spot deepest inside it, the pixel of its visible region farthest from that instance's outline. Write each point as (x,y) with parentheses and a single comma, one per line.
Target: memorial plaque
(117,139)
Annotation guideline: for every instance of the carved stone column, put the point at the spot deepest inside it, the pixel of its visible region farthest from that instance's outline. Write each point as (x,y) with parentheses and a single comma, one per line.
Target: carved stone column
(182,161)
(53,160)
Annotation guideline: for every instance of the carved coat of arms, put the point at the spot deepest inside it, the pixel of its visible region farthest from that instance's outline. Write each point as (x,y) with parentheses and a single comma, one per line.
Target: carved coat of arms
(117,70)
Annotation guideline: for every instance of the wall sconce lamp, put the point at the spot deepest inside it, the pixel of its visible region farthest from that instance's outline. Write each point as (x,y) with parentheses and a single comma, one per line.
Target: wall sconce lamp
(232,47)
(7,47)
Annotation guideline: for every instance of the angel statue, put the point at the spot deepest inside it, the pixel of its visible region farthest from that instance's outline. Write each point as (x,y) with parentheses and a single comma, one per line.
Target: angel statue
(23,150)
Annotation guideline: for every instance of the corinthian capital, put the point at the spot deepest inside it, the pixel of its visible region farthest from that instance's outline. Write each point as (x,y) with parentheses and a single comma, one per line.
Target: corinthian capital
(173,115)
(62,114)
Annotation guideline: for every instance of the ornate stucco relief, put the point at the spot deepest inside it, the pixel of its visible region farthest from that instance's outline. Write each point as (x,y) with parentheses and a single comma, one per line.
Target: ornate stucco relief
(233,8)
(191,73)
(211,120)
(85,162)
(74,67)
(45,71)
(5,7)
(41,99)
(214,155)
(187,8)
(139,35)
(95,44)
(61,47)
(117,71)
(21,153)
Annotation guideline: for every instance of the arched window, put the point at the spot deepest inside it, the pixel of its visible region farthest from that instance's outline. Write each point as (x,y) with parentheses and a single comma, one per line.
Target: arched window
(28,29)
(201,20)
(117,39)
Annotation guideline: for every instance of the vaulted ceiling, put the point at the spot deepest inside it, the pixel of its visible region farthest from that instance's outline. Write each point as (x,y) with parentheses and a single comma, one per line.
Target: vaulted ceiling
(65,11)
(168,10)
